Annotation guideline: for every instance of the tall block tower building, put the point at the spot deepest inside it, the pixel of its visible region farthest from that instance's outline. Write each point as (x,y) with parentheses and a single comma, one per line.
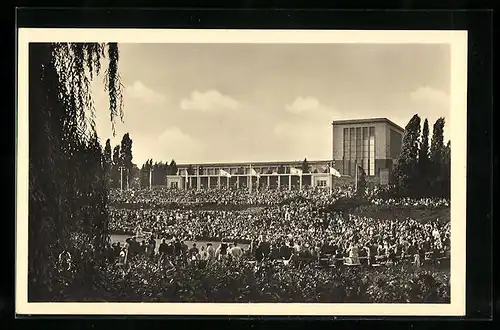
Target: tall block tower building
(374,144)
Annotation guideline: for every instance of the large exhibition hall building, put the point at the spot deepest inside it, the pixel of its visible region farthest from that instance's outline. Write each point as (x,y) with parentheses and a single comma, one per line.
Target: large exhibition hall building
(373,144)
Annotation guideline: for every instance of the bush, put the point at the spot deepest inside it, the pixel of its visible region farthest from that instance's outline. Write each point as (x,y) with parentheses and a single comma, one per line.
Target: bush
(146,281)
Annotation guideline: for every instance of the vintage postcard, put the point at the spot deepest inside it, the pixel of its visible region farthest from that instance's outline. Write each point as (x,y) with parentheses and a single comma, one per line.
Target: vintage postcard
(241,172)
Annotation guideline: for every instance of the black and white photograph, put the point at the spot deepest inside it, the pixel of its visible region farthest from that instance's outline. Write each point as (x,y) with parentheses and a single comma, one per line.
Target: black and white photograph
(237,172)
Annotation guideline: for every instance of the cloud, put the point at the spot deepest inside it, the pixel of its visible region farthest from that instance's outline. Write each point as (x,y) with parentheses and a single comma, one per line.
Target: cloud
(304,105)
(310,139)
(209,101)
(177,144)
(431,103)
(431,95)
(141,92)
(174,135)
(307,132)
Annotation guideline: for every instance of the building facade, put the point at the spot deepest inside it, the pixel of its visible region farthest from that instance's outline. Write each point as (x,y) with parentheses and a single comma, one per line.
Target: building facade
(255,175)
(374,144)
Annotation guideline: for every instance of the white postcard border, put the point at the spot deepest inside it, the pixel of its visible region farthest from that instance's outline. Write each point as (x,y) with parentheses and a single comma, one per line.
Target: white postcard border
(458,133)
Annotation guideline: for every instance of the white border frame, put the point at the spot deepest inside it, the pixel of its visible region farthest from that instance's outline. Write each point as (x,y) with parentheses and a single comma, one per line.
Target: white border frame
(458,133)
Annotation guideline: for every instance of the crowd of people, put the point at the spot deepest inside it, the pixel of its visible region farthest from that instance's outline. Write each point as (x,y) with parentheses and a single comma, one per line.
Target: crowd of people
(223,196)
(290,227)
(280,245)
(317,196)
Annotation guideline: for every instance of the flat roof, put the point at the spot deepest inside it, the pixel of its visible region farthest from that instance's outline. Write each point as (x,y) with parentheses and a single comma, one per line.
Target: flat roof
(265,163)
(367,120)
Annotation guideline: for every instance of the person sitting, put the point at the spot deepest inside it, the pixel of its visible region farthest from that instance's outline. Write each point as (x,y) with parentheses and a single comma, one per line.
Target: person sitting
(338,259)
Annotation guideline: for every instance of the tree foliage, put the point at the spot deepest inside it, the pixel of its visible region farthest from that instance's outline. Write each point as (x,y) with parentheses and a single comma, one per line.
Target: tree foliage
(108,162)
(305,166)
(423,158)
(67,206)
(145,173)
(406,169)
(172,168)
(421,171)
(126,151)
(361,184)
(437,155)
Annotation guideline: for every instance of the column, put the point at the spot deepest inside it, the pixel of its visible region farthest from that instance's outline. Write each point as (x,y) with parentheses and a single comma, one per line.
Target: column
(198,182)
(289,182)
(300,183)
(238,182)
(279,181)
(268,178)
(227,179)
(208,182)
(218,181)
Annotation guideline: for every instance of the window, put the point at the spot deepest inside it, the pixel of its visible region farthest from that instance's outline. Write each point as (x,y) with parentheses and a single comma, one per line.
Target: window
(366,146)
(346,143)
(359,141)
(372,156)
(321,183)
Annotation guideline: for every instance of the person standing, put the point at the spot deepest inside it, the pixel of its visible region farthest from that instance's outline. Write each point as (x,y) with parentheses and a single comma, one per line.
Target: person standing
(163,249)
(236,252)
(222,250)
(353,254)
(210,252)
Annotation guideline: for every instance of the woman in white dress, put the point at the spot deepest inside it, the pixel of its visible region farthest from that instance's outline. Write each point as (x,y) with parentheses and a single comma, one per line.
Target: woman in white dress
(353,251)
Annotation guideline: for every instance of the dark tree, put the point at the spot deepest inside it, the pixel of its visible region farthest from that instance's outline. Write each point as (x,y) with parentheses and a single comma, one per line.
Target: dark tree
(446,171)
(406,169)
(107,153)
(159,173)
(108,162)
(423,160)
(117,161)
(172,168)
(67,206)
(126,158)
(436,156)
(361,184)
(135,177)
(115,169)
(145,173)
(305,166)
(126,151)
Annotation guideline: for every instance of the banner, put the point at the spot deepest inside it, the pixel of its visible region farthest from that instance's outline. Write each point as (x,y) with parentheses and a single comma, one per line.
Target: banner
(295,171)
(224,173)
(334,172)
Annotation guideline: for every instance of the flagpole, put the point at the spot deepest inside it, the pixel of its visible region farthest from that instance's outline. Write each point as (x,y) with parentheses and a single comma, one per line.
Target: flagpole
(121,178)
(198,178)
(300,181)
(151,177)
(250,179)
(356,178)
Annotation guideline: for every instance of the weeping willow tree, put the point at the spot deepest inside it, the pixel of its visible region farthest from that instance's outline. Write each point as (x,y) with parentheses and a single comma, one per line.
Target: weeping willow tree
(67,206)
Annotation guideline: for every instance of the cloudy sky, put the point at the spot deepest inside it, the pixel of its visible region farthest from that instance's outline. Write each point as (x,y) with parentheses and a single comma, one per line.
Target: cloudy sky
(267,102)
